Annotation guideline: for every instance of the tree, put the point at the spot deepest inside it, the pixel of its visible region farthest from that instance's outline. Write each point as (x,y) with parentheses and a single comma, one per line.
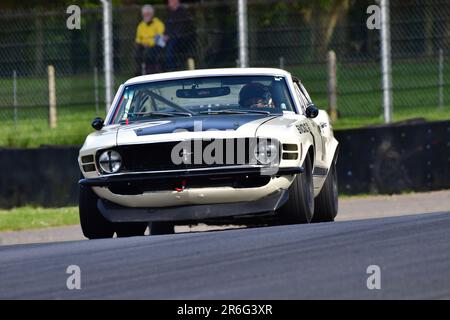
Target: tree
(323,16)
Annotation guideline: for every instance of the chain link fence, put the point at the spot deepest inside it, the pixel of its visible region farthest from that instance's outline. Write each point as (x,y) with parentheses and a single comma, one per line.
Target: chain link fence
(30,41)
(294,35)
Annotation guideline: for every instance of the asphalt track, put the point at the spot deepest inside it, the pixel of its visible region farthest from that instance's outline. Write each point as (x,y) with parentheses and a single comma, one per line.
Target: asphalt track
(327,260)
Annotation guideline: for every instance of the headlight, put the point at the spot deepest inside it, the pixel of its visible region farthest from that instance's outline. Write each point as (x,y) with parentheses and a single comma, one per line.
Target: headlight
(266,153)
(110,161)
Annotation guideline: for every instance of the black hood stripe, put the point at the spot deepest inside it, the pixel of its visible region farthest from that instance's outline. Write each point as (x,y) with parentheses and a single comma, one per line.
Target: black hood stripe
(200,123)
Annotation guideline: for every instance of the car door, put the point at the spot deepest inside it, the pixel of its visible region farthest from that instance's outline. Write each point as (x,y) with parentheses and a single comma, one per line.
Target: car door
(314,127)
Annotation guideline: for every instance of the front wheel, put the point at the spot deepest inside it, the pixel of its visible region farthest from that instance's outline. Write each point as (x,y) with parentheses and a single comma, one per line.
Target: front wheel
(300,206)
(93,224)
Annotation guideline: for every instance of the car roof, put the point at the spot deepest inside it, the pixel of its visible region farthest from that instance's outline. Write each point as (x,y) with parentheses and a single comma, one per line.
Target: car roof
(209,72)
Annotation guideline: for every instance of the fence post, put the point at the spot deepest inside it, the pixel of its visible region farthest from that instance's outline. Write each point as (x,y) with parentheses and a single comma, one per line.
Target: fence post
(51,97)
(243,33)
(191,64)
(332,84)
(108,52)
(281,62)
(15,97)
(386,61)
(441,78)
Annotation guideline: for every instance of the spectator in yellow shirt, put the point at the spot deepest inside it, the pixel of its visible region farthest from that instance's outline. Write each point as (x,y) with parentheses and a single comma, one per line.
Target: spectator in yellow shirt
(149,42)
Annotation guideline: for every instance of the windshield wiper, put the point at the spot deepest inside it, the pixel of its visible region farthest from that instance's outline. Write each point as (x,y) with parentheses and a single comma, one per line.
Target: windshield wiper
(162,114)
(256,111)
(230,111)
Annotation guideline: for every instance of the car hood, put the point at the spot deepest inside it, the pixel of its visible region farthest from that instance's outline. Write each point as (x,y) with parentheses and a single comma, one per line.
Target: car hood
(197,127)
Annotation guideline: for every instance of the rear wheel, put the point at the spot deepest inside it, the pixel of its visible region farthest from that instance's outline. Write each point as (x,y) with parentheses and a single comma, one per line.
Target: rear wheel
(160,228)
(93,224)
(300,206)
(130,229)
(326,203)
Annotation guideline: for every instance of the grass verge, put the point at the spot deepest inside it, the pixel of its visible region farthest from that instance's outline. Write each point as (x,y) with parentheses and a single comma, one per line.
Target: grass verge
(25,218)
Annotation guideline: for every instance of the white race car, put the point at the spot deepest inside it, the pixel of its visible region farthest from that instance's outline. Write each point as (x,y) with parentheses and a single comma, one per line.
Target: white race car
(239,146)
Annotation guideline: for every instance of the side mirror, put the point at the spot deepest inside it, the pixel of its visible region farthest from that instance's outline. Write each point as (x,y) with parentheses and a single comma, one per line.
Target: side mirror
(312,111)
(97,124)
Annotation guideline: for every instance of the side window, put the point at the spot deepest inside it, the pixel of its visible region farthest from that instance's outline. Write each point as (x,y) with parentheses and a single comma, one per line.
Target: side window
(301,97)
(306,94)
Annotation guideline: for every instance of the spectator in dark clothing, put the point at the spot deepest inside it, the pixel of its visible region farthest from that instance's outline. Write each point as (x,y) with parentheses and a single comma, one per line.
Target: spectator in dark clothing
(180,36)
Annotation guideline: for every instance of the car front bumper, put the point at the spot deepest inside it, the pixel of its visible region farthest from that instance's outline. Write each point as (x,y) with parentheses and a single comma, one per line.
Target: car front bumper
(234,210)
(191,203)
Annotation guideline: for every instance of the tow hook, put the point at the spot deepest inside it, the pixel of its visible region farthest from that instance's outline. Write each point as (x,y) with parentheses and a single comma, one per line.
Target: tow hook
(183,186)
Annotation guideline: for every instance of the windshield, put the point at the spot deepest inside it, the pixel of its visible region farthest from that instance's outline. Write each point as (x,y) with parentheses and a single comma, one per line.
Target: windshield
(199,96)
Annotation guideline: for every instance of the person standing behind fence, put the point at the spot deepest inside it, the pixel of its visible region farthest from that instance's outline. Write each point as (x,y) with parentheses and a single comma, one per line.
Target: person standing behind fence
(149,42)
(180,36)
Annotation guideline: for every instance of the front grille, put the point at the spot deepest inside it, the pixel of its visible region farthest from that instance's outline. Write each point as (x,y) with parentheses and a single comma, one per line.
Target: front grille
(147,157)
(190,154)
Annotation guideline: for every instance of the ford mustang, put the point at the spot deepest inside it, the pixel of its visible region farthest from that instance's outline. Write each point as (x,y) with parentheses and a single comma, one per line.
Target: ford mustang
(240,146)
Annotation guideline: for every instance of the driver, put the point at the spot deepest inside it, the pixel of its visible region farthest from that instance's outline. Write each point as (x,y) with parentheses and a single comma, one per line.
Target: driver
(255,95)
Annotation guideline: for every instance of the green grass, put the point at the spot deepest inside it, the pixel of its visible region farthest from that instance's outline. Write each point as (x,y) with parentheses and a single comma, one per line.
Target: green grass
(24,218)
(75,111)
(73,126)
(359,100)
(413,113)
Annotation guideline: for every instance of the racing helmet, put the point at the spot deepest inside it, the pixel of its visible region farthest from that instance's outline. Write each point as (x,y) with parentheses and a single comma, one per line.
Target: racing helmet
(255,94)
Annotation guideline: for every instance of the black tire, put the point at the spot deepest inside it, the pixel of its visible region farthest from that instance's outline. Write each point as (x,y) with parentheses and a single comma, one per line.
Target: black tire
(130,229)
(93,224)
(326,203)
(160,228)
(300,206)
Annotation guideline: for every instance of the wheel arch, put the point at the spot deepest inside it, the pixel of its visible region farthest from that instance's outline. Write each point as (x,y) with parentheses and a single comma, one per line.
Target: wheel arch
(332,153)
